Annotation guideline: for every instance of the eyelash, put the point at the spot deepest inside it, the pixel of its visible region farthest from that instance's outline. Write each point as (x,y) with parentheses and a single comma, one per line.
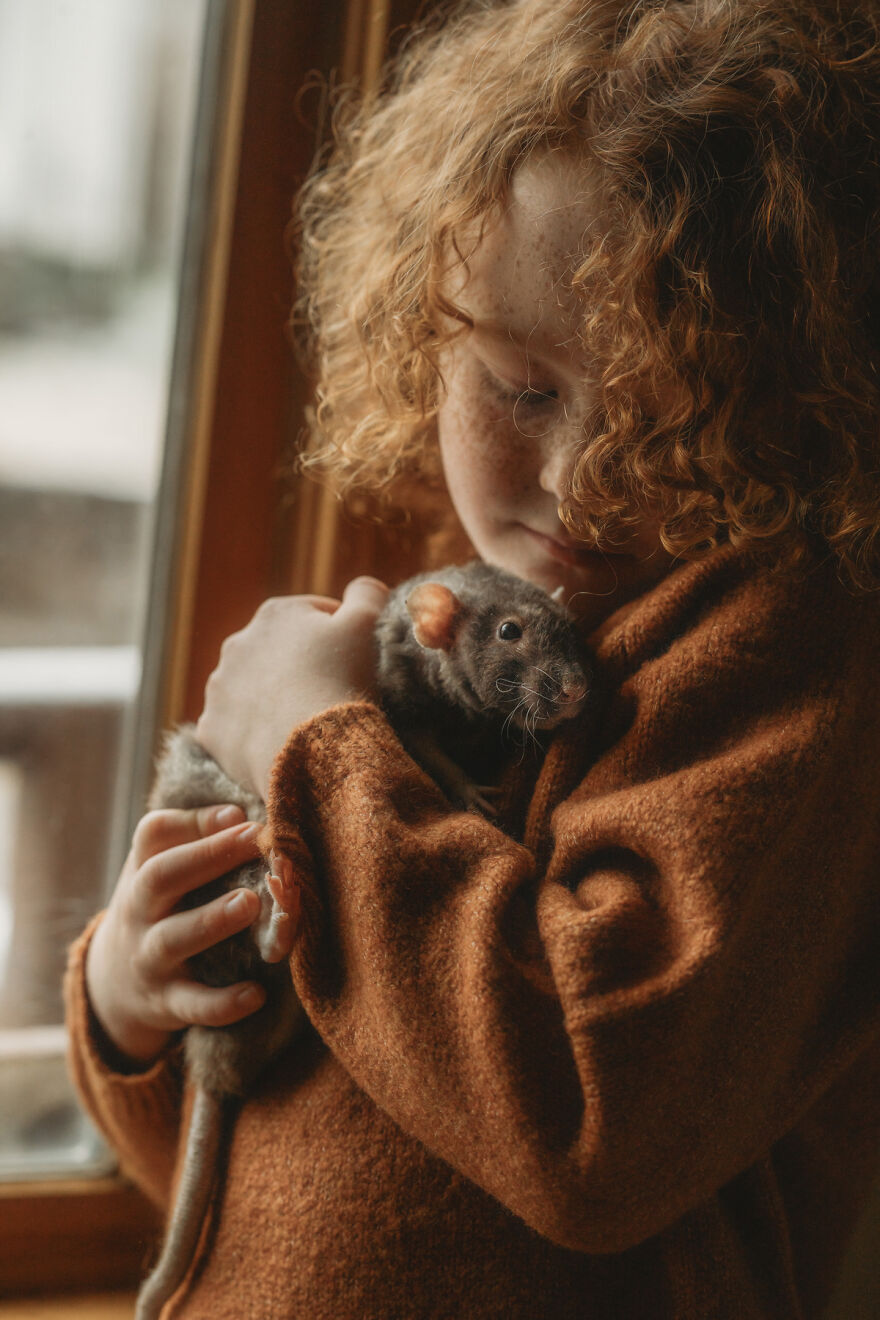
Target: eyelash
(527,398)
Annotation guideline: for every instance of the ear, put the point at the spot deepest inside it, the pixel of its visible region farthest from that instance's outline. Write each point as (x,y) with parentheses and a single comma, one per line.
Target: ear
(434,610)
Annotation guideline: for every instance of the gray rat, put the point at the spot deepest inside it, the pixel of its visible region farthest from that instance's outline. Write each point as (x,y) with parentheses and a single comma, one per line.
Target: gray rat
(222,1063)
(464,655)
(467,655)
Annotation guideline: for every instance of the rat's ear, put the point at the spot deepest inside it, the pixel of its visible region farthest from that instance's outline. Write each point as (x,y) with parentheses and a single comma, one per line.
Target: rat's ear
(434,610)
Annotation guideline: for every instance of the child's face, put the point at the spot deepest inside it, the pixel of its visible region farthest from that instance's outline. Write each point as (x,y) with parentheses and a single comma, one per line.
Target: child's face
(519,394)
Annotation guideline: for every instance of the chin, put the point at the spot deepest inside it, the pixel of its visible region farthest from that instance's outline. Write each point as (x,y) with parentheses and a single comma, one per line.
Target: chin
(598,577)
(592,593)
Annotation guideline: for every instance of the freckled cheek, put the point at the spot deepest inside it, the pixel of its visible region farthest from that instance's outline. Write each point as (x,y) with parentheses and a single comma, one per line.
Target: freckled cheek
(485,455)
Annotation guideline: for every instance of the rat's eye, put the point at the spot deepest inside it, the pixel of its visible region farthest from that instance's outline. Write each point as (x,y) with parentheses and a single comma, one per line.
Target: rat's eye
(509,632)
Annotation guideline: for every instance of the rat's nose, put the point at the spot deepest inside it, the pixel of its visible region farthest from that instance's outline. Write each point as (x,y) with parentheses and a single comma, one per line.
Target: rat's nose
(572,689)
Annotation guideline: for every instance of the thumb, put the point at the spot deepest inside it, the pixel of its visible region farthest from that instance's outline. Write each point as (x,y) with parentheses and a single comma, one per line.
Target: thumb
(364,595)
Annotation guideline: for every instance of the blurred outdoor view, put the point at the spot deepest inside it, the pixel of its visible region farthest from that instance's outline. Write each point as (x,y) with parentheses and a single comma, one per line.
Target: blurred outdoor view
(97,109)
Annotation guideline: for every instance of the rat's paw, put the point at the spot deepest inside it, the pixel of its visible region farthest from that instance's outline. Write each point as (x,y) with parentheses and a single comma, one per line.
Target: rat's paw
(274,929)
(282,883)
(274,939)
(478,797)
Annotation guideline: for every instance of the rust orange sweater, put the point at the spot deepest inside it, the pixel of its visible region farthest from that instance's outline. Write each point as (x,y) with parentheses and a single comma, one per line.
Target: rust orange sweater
(618,1061)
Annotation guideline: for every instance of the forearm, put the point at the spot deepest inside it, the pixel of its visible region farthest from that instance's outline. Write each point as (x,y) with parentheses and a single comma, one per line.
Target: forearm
(604,1041)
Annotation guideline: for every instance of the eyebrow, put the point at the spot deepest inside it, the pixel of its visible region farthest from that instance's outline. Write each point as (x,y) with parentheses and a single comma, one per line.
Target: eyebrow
(505,335)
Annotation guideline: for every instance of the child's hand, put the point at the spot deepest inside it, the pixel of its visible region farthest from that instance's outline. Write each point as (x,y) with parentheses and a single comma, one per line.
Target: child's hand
(136,971)
(298,656)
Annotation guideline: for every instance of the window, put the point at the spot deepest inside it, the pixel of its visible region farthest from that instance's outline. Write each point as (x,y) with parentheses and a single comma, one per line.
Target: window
(97,106)
(154,148)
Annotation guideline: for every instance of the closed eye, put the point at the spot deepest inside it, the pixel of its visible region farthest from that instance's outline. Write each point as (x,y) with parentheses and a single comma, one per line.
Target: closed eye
(525,396)
(528,397)
(536,398)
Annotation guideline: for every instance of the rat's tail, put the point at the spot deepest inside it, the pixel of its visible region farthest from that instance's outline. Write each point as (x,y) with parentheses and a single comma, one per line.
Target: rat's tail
(190,1205)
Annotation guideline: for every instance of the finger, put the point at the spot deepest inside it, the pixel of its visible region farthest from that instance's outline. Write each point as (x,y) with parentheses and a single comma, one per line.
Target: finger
(168,828)
(327,604)
(285,606)
(184,934)
(192,1004)
(166,878)
(363,595)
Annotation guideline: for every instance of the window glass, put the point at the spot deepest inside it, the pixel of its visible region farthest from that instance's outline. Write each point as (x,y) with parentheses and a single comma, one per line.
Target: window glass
(97,119)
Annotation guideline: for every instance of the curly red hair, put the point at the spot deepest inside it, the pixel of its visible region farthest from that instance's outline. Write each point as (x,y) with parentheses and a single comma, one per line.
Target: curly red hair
(736,148)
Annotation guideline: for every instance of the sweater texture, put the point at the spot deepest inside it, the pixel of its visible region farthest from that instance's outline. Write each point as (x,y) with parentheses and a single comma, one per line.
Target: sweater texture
(614,1056)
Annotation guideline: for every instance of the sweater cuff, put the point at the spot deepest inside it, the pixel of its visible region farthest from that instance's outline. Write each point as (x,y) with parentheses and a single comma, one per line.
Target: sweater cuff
(325,748)
(309,785)
(101,1073)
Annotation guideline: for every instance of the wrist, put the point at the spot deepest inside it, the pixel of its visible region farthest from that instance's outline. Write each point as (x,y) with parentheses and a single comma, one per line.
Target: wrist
(124,1051)
(125,1043)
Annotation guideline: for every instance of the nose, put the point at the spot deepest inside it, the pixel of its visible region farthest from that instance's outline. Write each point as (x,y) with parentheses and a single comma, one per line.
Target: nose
(573,683)
(556,459)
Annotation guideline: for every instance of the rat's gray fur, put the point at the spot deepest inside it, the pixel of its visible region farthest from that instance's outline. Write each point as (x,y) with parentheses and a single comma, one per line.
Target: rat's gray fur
(221,1062)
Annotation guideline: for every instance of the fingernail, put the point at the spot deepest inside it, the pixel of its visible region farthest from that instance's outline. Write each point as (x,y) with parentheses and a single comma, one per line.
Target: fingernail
(249,997)
(239,902)
(249,831)
(226,816)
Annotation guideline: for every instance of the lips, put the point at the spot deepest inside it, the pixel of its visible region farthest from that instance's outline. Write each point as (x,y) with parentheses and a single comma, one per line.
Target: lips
(573,553)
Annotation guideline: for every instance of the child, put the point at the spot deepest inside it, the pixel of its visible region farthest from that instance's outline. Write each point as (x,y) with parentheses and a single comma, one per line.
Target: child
(614,269)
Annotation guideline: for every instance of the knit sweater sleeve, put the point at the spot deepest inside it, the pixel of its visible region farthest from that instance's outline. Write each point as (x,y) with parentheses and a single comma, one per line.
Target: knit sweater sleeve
(138,1112)
(604,1024)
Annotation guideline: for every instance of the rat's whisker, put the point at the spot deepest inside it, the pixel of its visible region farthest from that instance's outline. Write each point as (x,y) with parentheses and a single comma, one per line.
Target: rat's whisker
(555,684)
(508,723)
(530,722)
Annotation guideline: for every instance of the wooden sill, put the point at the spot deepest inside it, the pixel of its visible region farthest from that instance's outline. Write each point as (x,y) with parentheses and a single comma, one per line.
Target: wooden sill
(86,1306)
(74,1236)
